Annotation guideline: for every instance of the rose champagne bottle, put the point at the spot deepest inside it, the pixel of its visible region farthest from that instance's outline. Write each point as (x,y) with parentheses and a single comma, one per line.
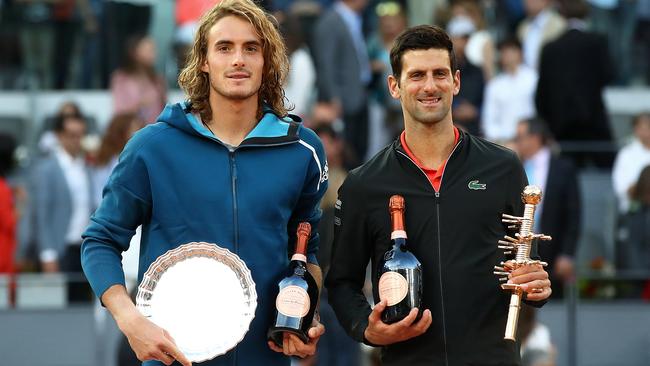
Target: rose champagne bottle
(298,296)
(400,273)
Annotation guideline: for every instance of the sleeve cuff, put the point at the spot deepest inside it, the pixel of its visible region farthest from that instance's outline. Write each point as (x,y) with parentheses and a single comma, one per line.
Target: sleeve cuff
(535,304)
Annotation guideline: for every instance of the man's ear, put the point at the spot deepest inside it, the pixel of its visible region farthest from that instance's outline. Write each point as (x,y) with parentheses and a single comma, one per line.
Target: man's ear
(393,86)
(204,66)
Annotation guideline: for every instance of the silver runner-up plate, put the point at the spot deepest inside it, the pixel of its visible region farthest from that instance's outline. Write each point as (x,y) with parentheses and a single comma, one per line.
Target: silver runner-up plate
(203,295)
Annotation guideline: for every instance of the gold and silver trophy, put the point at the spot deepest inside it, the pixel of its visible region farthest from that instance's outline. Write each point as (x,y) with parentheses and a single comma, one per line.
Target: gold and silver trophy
(520,246)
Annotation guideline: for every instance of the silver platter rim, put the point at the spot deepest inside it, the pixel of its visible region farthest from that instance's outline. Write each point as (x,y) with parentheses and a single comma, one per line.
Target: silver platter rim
(158,268)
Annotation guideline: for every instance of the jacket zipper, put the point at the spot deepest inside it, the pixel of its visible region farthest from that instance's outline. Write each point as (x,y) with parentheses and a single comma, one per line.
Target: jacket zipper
(442,298)
(437,194)
(233,181)
(233,184)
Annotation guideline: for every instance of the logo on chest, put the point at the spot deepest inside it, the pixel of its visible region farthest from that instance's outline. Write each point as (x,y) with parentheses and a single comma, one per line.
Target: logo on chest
(476,186)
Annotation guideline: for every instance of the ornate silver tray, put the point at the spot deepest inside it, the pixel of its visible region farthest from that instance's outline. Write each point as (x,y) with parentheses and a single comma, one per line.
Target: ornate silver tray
(203,295)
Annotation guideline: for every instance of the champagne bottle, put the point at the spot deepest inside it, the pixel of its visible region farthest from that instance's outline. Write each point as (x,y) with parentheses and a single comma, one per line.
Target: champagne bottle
(298,296)
(400,273)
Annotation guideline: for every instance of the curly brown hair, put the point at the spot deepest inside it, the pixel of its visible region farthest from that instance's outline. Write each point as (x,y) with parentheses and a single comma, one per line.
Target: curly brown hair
(196,83)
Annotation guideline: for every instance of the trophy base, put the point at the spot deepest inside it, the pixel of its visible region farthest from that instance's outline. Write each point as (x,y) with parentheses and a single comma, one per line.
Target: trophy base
(276,334)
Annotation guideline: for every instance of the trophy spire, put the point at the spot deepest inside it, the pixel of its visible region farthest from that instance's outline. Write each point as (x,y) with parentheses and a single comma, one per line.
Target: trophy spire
(520,246)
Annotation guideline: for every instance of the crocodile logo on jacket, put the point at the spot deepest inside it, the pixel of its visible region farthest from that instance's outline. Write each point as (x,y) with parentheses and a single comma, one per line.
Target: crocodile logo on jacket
(475,185)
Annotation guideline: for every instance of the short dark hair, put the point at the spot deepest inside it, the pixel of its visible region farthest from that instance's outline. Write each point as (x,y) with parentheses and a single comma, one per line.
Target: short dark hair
(326,129)
(511,42)
(576,9)
(421,37)
(59,122)
(538,127)
(639,117)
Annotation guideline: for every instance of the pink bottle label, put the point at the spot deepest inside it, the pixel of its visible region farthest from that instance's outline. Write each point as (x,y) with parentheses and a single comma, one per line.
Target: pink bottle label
(393,287)
(293,301)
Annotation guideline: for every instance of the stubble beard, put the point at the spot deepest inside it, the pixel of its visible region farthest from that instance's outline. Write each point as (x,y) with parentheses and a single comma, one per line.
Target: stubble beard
(232,95)
(430,117)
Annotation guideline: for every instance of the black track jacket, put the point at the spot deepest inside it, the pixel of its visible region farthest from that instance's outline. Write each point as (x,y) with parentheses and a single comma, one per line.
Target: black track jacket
(453,233)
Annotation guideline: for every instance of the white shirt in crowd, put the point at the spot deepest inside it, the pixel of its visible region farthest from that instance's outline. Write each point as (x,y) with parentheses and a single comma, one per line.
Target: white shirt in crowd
(628,165)
(300,82)
(74,171)
(509,98)
(76,177)
(532,44)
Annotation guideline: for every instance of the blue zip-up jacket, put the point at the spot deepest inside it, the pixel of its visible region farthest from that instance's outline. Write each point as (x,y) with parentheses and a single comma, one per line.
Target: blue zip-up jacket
(182,184)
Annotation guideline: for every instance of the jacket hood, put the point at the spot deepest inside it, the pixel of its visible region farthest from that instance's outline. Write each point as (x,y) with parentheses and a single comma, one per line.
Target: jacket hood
(270,128)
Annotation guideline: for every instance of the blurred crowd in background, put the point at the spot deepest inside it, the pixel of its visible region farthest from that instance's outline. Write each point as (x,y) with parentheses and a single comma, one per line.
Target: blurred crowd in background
(532,78)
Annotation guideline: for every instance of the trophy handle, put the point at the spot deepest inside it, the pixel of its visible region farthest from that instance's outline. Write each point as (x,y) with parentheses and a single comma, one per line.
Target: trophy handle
(513,315)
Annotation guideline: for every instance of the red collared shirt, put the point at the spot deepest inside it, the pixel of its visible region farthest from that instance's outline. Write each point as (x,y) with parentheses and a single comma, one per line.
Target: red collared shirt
(434,175)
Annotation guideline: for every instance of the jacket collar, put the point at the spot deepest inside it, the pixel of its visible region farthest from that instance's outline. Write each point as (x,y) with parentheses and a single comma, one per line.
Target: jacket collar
(270,130)
(462,137)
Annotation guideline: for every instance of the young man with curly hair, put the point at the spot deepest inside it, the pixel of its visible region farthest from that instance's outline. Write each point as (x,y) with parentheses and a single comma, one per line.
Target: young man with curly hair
(228,166)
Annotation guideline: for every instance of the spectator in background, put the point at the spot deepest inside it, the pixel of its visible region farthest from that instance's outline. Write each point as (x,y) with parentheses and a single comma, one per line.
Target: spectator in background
(631,159)
(63,204)
(36,28)
(299,88)
(8,214)
(510,96)
(136,87)
(509,13)
(467,104)
(343,71)
(426,11)
(67,27)
(615,20)
(574,69)
(643,37)
(542,25)
(558,215)
(124,19)
(386,122)
(119,131)
(47,141)
(480,45)
(92,61)
(67,109)
(188,13)
(633,249)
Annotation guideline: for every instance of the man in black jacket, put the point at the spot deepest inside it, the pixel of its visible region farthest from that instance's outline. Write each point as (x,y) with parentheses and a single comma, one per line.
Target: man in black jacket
(456,186)
(573,72)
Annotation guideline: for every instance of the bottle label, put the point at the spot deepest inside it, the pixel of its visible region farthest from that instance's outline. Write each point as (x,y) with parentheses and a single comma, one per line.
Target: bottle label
(293,301)
(393,287)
